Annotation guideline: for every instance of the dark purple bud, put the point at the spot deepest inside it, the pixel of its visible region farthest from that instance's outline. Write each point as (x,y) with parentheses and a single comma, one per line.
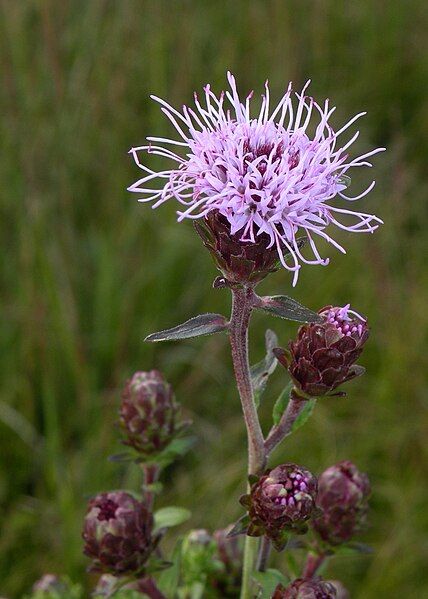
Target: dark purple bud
(148,412)
(324,354)
(282,499)
(306,589)
(343,493)
(239,261)
(118,533)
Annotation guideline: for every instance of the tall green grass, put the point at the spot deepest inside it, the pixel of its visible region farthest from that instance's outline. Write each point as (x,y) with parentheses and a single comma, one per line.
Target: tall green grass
(87,272)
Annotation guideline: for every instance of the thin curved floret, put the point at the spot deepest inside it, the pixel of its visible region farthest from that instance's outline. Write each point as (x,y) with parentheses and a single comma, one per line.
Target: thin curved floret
(264,174)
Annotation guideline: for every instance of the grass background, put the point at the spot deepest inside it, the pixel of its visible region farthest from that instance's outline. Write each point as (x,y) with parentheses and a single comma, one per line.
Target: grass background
(87,272)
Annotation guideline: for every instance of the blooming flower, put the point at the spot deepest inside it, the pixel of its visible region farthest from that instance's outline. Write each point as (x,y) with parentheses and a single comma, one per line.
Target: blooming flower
(266,174)
(324,354)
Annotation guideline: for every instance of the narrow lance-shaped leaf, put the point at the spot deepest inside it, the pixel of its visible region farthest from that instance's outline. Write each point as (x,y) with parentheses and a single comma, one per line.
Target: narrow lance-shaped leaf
(204,324)
(261,371)
(286,307)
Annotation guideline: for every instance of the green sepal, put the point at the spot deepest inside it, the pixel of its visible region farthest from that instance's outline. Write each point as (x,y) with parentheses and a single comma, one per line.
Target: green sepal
(240,527)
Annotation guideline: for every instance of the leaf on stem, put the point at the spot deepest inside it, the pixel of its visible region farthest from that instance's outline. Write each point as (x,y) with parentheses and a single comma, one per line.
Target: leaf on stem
(204,324)
(286,307)
(261,371)
(170,516)
(240,527)
(304,415)
(175,450)
(281,404)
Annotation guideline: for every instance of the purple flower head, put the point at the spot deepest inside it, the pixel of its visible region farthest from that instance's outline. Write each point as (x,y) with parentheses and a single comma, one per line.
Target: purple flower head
(266,174)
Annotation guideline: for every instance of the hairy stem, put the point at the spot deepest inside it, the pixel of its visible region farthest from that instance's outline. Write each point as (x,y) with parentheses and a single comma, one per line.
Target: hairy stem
(239,323)
(283,428)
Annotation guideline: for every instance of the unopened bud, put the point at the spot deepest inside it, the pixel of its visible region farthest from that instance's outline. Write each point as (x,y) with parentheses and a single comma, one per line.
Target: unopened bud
(343,493)
(118,533)
(324,354)
(283,499)
(148,412)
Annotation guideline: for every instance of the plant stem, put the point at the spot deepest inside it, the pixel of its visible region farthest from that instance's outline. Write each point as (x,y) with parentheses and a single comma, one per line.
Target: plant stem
(239,322)
(148,586)
(151,475)
(264,554)
(283,428)
(313,564)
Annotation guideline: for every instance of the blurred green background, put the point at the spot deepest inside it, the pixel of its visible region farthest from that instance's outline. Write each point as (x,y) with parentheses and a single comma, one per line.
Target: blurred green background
(87,272)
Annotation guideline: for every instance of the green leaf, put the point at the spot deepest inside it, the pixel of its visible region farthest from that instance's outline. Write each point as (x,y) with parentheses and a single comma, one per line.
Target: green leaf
(204,324)
(169,579)
(281,403)
(240,527)
(170,516)
(261,371)
(176,449)
(268,581)
(286,307)
(353,549)
(304,415)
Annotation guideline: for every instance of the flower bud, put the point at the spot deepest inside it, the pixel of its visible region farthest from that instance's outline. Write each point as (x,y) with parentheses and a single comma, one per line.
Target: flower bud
(306,589)
(148,412)
(118,533)
(281,500)
(324,354)
(343,492)
(239,261)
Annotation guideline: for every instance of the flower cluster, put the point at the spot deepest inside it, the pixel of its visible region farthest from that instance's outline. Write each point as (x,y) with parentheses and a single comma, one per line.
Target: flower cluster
(343,492)
(283,499)
(324,354)
(267,175)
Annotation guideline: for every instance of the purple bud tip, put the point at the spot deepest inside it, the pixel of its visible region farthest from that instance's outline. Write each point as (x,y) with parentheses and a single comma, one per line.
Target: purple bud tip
(107,509)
